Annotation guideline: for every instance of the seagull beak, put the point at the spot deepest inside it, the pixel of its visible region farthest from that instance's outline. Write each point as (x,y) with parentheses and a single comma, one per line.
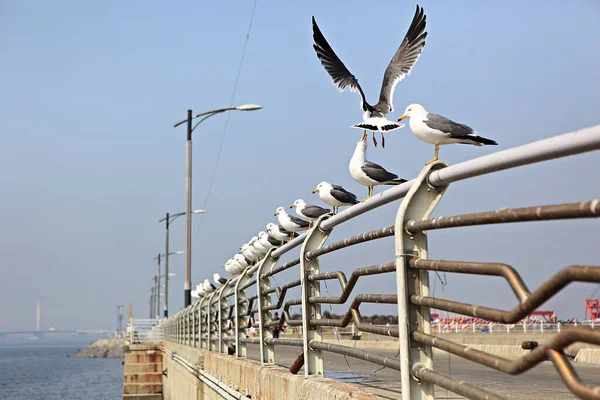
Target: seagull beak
(400,118)
(292,206)
(275,214)
(315,191)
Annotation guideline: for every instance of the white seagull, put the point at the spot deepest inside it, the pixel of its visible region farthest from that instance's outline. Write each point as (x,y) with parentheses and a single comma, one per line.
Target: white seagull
(220,281)
(278,233)
(399,67)
(335,196)
(438,130)
(368,173)
(208,287)
(309,211)
(289,222)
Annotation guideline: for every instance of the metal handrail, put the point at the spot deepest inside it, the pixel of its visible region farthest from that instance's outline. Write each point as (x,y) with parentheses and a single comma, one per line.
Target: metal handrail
(210,322)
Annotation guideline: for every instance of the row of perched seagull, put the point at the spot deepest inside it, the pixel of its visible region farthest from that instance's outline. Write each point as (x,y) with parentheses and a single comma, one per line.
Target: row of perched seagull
(430,128)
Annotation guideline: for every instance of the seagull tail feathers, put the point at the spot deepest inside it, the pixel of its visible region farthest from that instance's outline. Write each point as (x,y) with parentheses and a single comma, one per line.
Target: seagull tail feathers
(397,181)
(481,141)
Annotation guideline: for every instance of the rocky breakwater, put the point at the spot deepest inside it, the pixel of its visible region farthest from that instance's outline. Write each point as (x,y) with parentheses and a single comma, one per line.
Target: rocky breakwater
(103,348)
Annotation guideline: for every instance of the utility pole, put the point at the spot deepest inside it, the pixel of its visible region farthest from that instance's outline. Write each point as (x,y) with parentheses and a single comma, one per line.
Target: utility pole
(187,286)
(166,307)
(157,293)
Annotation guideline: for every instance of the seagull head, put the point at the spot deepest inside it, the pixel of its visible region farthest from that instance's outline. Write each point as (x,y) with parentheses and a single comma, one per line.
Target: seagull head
(298,203)
(413,110)
(279,210)
(320,186)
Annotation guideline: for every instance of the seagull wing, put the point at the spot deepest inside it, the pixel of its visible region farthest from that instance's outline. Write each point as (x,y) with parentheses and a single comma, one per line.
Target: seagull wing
(335,67)
(313,211)
(341,194)
(403,61)
(298,221)
(377,172)
(449,127)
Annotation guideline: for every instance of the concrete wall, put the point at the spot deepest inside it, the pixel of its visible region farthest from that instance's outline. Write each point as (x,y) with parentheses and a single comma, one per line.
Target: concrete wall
(247,376)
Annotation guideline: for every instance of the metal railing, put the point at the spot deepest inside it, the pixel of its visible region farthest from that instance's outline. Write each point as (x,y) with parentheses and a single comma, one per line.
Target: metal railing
(140,331)
(223,319)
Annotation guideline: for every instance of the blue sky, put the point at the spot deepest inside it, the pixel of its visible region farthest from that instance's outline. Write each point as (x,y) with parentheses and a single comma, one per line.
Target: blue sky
(90,160)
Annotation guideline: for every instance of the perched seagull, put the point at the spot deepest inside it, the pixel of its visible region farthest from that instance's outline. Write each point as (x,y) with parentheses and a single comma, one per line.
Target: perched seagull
(195,294)
(437,130)
(399,67)
(199,290)
(247,252)
(241,260)
(368,173)
(335,195)
(289,222)
(309,211)
(278,233)
(220,281)
(208,287)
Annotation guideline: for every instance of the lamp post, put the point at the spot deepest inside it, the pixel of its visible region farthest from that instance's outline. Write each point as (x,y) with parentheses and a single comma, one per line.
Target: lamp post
(164,256)
(168,219)
(187,286)
(152,304)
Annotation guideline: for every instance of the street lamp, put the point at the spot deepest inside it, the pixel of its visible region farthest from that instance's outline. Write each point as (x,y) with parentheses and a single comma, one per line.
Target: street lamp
(168,219)
(187,286)
(158,276)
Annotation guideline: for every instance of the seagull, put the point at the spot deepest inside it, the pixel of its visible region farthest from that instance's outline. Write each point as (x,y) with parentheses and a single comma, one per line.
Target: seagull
(208,287)
(277,232)
(289,222)
(399,67)
(309,211)
(368,173)
(240,259)
(218,279)
(437,130)
(335,195)
(195,294)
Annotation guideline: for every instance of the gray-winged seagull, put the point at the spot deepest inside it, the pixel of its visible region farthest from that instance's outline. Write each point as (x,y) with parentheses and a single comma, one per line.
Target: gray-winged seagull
(399,67)
(335,195)
(438,130)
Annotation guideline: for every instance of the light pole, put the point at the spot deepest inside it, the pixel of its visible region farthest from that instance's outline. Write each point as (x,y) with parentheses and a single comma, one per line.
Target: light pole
(166,258)
(187,286)
(152,304)
(168,219)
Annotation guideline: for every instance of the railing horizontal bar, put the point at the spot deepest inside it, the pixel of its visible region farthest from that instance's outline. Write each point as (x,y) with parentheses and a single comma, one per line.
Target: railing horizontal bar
(282,267)
(351,241)
(353,352)
(476,268)
(584,209)
(247,284)
(285,342)
(552,286)
(250,340)
(459,387)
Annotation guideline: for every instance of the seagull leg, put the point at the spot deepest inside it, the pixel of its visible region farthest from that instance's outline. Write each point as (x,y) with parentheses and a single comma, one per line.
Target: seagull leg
(309,224)
(382,141)
(374,140)
(369,195)
(364,136)
(435,157)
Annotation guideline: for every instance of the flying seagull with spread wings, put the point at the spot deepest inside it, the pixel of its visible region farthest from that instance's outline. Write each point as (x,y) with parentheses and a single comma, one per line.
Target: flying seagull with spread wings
(399,67)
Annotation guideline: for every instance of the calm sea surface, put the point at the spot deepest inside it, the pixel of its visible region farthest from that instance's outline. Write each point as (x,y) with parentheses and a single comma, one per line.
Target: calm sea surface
(43,371)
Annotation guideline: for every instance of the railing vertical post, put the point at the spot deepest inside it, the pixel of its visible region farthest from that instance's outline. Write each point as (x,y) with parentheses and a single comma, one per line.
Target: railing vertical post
(474,329)
(222,305)
(311,311)
(558,327)
(524,326)
(267,350)
(210,313)
(200,321)
(491,327)
(241,309)
(418,204)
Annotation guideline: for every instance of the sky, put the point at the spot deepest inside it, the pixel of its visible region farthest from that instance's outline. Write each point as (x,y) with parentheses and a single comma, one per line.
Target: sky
(90,160)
